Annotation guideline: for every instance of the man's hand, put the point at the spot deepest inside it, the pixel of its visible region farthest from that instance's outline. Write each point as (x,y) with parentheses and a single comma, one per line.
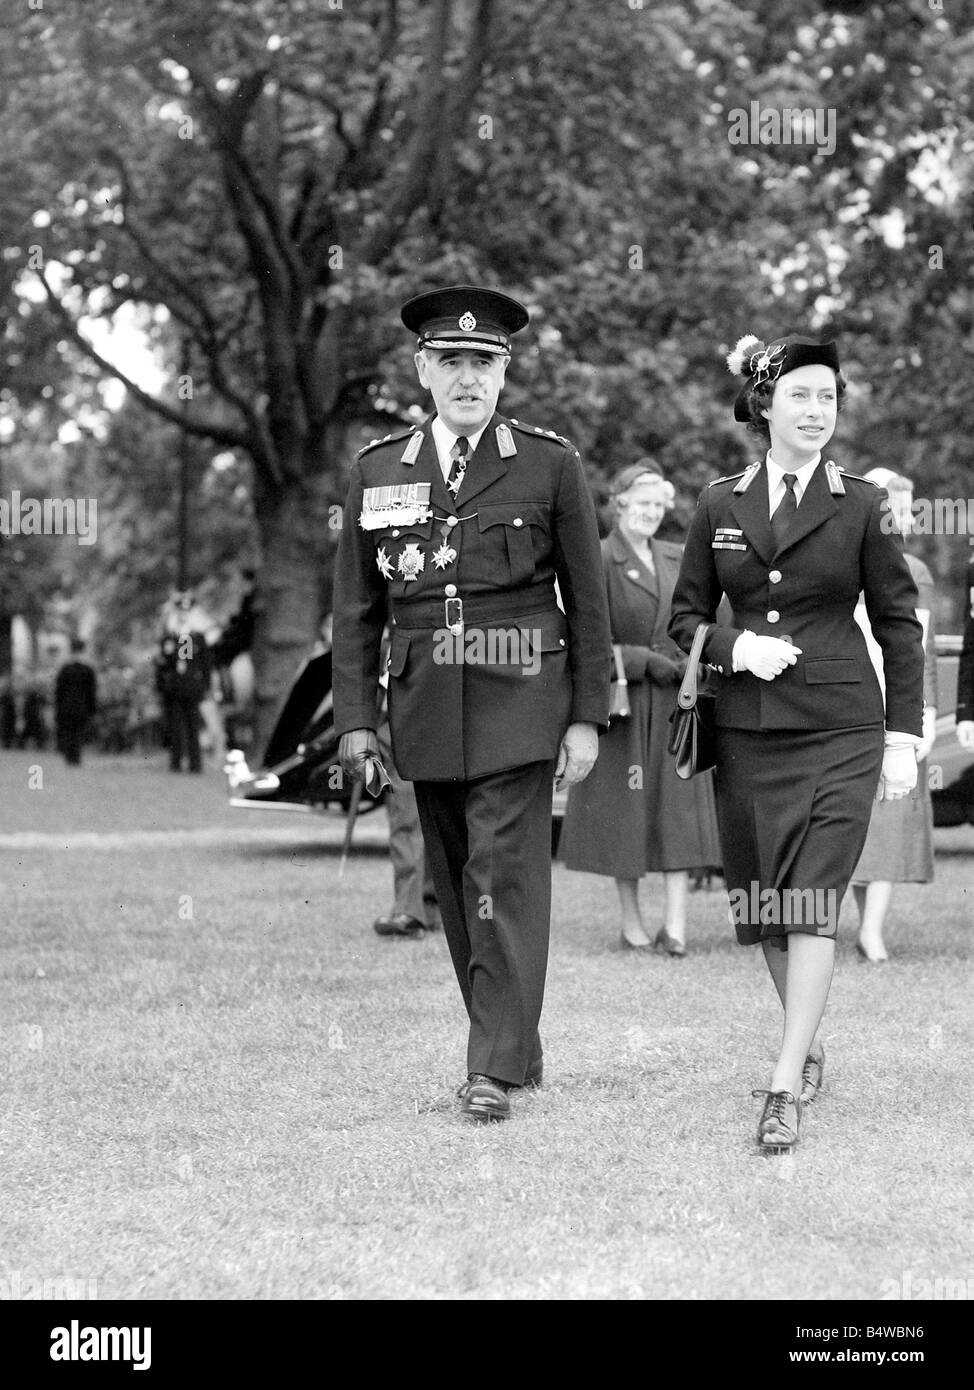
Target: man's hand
(965,734)
(764,657)
(577,754)
(358,753)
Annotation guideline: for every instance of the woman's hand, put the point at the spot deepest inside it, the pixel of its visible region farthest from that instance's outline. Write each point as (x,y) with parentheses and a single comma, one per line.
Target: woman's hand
(899,774)
(764,657)
(965,734)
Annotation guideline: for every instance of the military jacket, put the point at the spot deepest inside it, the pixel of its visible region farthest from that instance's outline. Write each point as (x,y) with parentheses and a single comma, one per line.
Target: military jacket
(486,670)
(841,542)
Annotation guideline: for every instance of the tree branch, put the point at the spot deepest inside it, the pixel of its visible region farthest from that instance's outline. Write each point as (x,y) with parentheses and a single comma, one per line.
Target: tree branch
(206,429)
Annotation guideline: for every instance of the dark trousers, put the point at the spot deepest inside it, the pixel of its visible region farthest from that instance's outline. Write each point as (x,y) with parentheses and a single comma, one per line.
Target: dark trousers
(489,845)
(70,738)
(183,732)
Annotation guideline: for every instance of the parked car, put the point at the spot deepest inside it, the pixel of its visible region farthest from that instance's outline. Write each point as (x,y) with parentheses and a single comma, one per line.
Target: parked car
(299,769)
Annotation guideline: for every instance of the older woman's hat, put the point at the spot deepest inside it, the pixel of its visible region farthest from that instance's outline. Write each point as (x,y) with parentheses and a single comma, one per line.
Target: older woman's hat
(465,316)
(760,362)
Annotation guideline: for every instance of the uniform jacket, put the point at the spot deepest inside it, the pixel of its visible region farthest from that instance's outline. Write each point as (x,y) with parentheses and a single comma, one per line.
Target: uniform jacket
(840,543)
(965,671)
(524,518)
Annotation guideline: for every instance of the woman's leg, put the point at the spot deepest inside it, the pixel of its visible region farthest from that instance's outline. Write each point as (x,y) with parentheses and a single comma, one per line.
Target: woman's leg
(872,900)
(802,976)
(632,923)
(676,883)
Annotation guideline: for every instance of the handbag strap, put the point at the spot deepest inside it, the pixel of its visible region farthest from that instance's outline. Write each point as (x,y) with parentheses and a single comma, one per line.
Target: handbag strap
(620,668)
(687,697)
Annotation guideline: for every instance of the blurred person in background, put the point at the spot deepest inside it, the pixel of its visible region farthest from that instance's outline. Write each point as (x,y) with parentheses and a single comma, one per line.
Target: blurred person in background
(899,845)
(22,720)
(183,672)
(633,815)
(965,672)
(75,703)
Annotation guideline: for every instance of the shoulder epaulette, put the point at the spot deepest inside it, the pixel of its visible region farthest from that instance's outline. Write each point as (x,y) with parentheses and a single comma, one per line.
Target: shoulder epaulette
(387,439)
(834,475)
(742,479)
(537,432)
(855,477)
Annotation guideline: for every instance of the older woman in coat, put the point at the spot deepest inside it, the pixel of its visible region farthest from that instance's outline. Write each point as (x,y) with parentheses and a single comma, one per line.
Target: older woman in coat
(633,815)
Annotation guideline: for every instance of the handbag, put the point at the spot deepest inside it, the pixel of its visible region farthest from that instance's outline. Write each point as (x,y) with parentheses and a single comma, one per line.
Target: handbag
(693,738)
(619,701)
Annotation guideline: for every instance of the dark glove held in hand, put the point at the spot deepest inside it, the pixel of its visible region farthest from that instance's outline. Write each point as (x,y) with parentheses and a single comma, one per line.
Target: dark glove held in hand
(662,670)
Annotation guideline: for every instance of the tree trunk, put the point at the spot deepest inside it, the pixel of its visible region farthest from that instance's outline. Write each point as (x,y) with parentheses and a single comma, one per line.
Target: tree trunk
(292,590)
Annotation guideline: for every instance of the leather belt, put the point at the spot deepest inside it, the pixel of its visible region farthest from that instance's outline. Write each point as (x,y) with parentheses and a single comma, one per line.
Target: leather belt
(478,609)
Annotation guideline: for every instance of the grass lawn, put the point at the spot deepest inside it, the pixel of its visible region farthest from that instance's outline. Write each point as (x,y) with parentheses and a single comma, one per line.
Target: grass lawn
(218,1082)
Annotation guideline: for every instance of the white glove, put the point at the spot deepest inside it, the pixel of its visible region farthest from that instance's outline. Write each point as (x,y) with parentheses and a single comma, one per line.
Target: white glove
(929,733)
(965,734)
(899,774)
(764,657)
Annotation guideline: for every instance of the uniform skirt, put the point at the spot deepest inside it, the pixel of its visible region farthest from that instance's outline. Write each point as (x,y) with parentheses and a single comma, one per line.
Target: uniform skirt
(793,810)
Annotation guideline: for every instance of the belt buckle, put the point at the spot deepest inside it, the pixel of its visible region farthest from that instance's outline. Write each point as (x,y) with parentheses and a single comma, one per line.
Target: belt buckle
(453,612)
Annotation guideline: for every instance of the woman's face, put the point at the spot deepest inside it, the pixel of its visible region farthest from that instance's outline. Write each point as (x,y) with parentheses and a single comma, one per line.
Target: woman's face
(642,507)
(803,410)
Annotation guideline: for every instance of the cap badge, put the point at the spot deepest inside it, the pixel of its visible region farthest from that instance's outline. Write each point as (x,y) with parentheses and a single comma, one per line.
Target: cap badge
(467,322)
(768,364)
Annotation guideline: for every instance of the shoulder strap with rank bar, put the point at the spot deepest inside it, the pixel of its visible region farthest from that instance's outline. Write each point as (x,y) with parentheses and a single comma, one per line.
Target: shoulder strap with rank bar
(747,477)
(834,475)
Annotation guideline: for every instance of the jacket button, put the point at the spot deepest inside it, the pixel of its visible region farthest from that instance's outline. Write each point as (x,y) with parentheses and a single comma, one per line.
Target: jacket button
(452,520)
(450,591)
(518,521)
(773,616)
(561,641)
(395,533)
(775,576)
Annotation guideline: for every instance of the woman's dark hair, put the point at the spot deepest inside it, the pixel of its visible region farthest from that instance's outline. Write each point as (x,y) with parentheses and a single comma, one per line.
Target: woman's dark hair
(758,398)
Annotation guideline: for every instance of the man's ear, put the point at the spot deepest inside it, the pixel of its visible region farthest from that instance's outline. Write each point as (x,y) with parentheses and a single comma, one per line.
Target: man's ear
(420,360)
(504,364)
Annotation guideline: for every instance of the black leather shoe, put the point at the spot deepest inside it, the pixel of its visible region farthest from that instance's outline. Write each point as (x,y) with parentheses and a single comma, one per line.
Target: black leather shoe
(775,1134)
(812,1074)
(399,924)
(484,1099)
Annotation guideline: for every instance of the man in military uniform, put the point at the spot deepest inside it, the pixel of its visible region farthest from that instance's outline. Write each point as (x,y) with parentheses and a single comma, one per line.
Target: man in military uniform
(458,530)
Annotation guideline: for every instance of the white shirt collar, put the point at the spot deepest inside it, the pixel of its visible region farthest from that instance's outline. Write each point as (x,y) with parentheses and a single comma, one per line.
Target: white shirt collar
(776,487)
(444,439)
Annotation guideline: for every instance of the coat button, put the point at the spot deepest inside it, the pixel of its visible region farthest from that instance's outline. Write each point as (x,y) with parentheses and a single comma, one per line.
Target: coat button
(561,641)
(773,616)
(518,521)
(775,576)
(450,591)
(395,533)
(452,520)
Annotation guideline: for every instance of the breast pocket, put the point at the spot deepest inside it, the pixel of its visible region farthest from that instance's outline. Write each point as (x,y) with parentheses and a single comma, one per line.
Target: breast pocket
(519,531)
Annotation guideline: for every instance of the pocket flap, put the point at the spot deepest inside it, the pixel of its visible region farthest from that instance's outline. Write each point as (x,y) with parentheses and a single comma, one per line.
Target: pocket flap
(828,670)
(546,633)
(515,514)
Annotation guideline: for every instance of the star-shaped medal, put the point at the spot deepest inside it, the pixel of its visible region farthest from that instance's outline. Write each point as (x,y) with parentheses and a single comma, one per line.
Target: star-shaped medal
(444,556)
(411,562)
(384,563)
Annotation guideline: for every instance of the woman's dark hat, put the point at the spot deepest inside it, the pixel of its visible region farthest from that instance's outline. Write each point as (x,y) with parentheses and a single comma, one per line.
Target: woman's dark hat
(465,316)
(760,362)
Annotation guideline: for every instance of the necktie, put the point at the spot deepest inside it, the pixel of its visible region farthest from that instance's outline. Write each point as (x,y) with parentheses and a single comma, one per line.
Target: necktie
(785,510)
(459,466)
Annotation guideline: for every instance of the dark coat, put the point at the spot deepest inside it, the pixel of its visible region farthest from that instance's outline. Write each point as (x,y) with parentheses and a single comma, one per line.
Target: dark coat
(522,522)
(965,671)
(75,694)
(632,814)
(838,544)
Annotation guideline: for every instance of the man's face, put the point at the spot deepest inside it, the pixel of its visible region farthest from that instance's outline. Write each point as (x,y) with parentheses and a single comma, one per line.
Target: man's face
(465,384)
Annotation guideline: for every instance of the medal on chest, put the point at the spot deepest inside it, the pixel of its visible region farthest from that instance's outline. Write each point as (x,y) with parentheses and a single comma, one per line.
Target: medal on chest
(411,562)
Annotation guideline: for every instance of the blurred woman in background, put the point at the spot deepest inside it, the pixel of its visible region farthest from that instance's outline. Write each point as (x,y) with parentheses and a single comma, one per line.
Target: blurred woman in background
(899,845)
(633,815)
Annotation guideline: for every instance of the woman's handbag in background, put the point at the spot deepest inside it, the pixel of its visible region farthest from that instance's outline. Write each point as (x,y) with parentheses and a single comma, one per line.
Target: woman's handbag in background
(693,737)
(619,701)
